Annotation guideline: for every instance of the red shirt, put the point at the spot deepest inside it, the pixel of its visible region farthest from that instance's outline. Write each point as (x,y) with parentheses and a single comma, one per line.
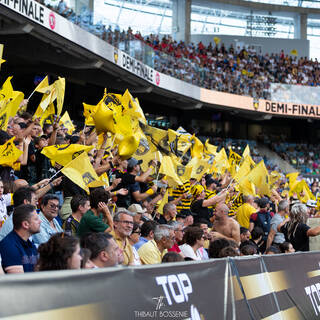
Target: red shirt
(175,248)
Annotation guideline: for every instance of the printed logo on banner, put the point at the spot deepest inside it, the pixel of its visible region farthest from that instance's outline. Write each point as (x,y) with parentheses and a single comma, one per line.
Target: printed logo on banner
(115,55)
(256,104)
(157,78)
(177,289)
(52,20)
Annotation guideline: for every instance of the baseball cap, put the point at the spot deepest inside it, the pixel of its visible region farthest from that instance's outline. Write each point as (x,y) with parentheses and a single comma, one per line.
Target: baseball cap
(133,162)
(136,208)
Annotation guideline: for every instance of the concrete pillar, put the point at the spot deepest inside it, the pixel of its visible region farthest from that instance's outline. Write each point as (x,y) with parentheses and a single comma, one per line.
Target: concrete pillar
(181,17)
(300,26)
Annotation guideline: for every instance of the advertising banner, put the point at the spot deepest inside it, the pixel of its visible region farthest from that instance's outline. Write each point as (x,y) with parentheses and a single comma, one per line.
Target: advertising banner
(256,287)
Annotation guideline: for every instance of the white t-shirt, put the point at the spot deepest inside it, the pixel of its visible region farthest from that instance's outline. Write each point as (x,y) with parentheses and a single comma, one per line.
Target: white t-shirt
(5,201)
(187,251)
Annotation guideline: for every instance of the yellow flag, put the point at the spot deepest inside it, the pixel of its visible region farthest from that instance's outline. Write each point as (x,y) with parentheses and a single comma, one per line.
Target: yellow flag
(180,142)
(1,53)
(163,202)
(65,153)
(48,98)
(292,179)
(6,93)
(167,168)
(88,110)
(246,187)
(66,121)
(234,161)
(221,163)
(259,176)
(80,171)
(10,109)
(246,152)
(302,187)
(210,148)
(43,85)
(246,166)
(199,167)
(157,138)
(132,107)
(274,177)
(183,172)
(9,153)
(46,116)
(60,86)
(196,147)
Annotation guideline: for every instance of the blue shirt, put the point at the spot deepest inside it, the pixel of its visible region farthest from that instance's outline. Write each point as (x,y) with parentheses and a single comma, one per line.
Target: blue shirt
(46,231)
(141,241)
(16,252)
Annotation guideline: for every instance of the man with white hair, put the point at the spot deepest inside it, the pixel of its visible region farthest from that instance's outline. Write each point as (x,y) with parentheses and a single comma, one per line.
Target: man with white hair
(153,251)
(123,225)
(169,213)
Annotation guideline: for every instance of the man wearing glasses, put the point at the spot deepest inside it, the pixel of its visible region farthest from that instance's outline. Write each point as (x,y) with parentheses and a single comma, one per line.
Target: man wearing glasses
(123,225)
(49,224)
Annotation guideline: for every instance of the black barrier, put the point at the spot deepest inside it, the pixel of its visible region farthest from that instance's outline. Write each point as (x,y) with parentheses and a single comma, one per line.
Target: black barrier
(266,287)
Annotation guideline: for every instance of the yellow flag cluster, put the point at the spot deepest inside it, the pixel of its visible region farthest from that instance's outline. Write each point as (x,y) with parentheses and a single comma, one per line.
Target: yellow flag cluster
(119,115)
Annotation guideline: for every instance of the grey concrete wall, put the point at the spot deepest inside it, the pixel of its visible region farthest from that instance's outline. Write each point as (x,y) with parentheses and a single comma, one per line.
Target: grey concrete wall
(268,45)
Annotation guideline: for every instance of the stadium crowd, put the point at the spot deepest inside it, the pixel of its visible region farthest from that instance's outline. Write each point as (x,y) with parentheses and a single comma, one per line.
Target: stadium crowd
(238,70)
(137,210)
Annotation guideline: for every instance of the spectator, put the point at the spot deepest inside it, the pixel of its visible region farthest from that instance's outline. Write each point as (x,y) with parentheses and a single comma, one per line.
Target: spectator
(172,257)
(104,250)
(199,205)
(217,245)
(147,233)
(169,213)
(286,247)
(18,253)
(133,239)
(80,204)
(224,226)
(229,252)
(24,195)
(123,225)
(61,252)
(178,235)
(273,250)
(244,234)
(49,224)
(138,211)
(193,241)
(275,237)
(246,249)
(98,218)
(262,219)
(245,211)
(295,229)
(153,251)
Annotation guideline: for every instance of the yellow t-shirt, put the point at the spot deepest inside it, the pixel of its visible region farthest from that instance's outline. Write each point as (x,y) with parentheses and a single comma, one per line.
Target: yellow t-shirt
(127,249)
(150,254)
(243,214)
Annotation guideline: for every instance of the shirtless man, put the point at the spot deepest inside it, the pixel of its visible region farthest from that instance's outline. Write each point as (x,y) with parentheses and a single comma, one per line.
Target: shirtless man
(225,227)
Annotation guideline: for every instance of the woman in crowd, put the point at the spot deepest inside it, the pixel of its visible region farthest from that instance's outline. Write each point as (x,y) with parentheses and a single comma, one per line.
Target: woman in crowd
(59,253)
(295,228)
(286,247)
(193,241)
